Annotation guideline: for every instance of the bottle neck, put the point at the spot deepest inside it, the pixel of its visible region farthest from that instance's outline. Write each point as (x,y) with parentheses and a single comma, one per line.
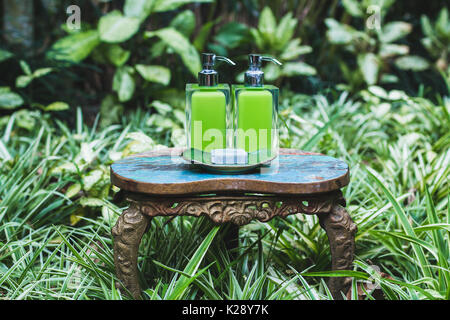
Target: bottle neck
(208,78)
(254,77)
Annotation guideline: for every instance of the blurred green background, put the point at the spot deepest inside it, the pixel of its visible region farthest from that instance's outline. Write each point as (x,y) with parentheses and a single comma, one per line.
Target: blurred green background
(129,53)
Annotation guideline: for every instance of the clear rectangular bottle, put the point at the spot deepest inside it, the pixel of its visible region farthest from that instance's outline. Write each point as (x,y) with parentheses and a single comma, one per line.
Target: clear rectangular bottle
(208,111)
(208,116)
(255,114)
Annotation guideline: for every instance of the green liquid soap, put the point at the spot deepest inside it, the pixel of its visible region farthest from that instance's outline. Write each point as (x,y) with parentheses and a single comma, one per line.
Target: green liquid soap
(208,120)
(254,113)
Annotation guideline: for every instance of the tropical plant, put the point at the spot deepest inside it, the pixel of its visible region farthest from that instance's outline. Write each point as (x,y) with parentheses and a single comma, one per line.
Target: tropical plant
(375,48)
(437,42)
(278,40)
(112,45)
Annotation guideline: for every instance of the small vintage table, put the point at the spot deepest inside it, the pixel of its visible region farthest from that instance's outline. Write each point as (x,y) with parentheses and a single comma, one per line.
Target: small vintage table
(300,182)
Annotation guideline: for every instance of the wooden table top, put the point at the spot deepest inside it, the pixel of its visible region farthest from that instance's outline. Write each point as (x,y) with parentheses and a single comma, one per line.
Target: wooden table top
(164,172)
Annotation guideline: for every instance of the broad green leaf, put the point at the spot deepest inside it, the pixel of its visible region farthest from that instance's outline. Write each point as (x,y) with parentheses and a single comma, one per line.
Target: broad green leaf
(267,24)
(92,178)
(178,137)
(271,72)
(73,190)
(184,22)
(259,41)
(339,33)
(75,47)
(10,100)
(294,50)
(161,107)
(116,55)
(123,83)
(110,111)
(91,202)
(116,28)
(394,31)
(388,50)
(5,55)
(378,91)
(285,30)
(140,137)
(166,5)
(25,67)
(156,74)
(25,120)
(291,69)
(180,116)
(181,45)
(427,28)
(368,65)
(443,24)
(219,49)
(199,41)
(353,7)
(41,72)
(140,9)
(160,122)
(57,106)
(23,81)
(232,34)
(413,63)
(388,78)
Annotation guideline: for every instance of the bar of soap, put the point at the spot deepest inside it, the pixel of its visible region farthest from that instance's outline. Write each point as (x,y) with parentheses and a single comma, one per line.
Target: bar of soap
(229,156)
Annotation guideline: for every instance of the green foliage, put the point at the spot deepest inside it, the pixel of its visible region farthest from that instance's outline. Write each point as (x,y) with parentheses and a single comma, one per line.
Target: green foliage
(178,43)
(9,99)
(277,39)
(56,199)
(111,43)
(437,42)
(75,47)
(375,48)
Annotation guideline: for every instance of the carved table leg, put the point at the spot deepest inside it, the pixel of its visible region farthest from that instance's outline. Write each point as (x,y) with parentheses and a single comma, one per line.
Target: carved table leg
(341,231)
(127,233)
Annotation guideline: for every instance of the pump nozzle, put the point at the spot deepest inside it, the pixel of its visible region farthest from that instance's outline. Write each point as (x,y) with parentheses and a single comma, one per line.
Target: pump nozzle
(254,77)
(272,60)
(208,76)
(226,60)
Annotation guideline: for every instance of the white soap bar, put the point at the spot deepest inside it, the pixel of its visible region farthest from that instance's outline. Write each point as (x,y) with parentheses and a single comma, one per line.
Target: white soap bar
(229,156)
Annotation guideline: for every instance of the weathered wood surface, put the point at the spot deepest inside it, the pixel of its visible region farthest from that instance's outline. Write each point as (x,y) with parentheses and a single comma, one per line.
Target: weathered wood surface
(164,173)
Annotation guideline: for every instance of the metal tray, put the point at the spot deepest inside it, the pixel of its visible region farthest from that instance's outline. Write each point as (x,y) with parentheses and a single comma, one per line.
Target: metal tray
(203,160)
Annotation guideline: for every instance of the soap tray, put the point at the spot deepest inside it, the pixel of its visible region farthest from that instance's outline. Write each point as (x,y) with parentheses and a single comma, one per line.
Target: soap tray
(228,161)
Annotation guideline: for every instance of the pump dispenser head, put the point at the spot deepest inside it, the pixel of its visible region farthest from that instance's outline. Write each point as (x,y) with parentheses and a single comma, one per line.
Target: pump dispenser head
(254,77)
(208,77)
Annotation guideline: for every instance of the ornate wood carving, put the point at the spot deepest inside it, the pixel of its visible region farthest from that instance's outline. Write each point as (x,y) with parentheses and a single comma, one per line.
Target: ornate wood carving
(239,210)
(127,233)
(341,232)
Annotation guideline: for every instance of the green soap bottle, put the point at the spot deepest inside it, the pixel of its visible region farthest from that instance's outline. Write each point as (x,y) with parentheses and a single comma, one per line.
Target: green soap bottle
(255,113)
(208,110)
